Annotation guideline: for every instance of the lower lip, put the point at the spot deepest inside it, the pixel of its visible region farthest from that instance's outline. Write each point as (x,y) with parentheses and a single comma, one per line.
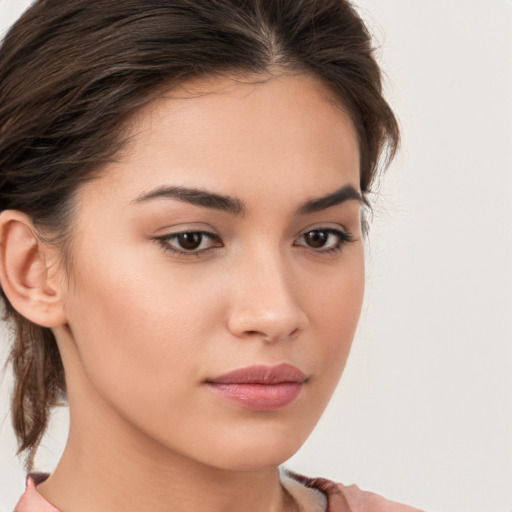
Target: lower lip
(259,397)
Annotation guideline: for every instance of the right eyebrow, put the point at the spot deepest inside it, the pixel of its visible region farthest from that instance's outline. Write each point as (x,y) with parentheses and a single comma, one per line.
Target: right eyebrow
(195,196)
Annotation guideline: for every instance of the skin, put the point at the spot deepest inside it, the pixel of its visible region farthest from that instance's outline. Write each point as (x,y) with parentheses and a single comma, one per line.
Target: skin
(143,327)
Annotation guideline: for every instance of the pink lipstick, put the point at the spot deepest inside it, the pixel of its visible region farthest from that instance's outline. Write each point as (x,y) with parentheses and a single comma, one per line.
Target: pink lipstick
(260,388)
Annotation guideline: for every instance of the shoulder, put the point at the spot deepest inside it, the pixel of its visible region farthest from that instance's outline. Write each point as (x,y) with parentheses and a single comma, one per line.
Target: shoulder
(351,498)
(32,501)
(362,501)
(338,497)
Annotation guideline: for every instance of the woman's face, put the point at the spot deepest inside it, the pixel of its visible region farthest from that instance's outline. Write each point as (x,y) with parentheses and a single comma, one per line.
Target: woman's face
(226,237)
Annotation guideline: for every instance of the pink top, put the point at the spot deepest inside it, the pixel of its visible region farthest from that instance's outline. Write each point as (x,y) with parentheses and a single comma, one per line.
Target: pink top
(339,498)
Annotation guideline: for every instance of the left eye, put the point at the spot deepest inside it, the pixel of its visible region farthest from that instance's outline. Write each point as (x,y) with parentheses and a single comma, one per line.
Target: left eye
(190,241)
(324,239)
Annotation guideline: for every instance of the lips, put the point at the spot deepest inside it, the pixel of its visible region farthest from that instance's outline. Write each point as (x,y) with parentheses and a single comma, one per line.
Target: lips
(260,388)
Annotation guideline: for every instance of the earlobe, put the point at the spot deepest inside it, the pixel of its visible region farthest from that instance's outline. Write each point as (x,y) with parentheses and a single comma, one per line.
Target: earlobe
(28,271)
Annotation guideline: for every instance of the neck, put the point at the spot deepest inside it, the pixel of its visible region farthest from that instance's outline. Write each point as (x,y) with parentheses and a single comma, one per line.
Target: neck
(81,486)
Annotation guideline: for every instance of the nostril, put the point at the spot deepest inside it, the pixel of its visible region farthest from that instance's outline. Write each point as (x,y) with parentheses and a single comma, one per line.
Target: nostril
(271,337)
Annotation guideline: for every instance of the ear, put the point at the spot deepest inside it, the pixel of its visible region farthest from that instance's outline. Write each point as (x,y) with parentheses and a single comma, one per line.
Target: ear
(29,272)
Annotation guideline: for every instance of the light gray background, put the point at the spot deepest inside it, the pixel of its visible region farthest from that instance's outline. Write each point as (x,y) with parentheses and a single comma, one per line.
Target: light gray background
(424,410)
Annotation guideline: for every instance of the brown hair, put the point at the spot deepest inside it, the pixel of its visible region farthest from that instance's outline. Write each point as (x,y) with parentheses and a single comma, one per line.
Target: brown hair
(73,73)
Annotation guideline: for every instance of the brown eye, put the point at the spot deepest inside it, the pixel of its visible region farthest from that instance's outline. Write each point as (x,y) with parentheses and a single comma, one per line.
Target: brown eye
(316,239)
(324,240)
(189,241)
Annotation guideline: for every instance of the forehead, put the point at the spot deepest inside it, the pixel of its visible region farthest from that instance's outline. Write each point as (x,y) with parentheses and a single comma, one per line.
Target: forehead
(233,134)
(302,86)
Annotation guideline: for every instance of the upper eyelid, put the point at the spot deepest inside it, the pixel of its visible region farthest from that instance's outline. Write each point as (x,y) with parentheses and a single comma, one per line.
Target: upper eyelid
(165,242)
(331,227)
(170,231)
(185,231)
(184,227)
(212,233)
(343,234)
(170,236)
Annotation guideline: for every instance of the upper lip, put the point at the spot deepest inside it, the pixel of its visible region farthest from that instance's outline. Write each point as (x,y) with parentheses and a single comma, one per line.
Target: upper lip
(261,374)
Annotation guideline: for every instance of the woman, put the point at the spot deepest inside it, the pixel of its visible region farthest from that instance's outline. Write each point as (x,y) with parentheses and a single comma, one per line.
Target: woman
(183,188)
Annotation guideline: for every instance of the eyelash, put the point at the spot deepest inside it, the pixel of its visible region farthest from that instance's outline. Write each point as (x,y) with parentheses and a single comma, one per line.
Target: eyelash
(344,237)
(164,242)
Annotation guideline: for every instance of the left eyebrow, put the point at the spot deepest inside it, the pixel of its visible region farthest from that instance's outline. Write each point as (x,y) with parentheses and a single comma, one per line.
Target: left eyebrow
(345,193)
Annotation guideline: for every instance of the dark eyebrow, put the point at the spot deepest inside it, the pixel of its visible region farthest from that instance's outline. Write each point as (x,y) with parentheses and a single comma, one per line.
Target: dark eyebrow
(345,193)
(196,197)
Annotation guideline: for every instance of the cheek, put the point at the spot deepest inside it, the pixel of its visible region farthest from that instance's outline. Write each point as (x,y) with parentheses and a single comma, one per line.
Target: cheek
(334,314)
(137,329)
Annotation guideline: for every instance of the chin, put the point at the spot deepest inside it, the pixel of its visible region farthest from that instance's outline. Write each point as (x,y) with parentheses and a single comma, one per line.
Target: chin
(255,460)
(261,451)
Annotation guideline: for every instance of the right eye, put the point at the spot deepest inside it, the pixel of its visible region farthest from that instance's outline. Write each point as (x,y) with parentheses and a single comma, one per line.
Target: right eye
(189,242)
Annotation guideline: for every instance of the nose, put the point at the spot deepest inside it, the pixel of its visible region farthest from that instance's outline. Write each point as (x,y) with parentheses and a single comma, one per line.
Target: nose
(265,304)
